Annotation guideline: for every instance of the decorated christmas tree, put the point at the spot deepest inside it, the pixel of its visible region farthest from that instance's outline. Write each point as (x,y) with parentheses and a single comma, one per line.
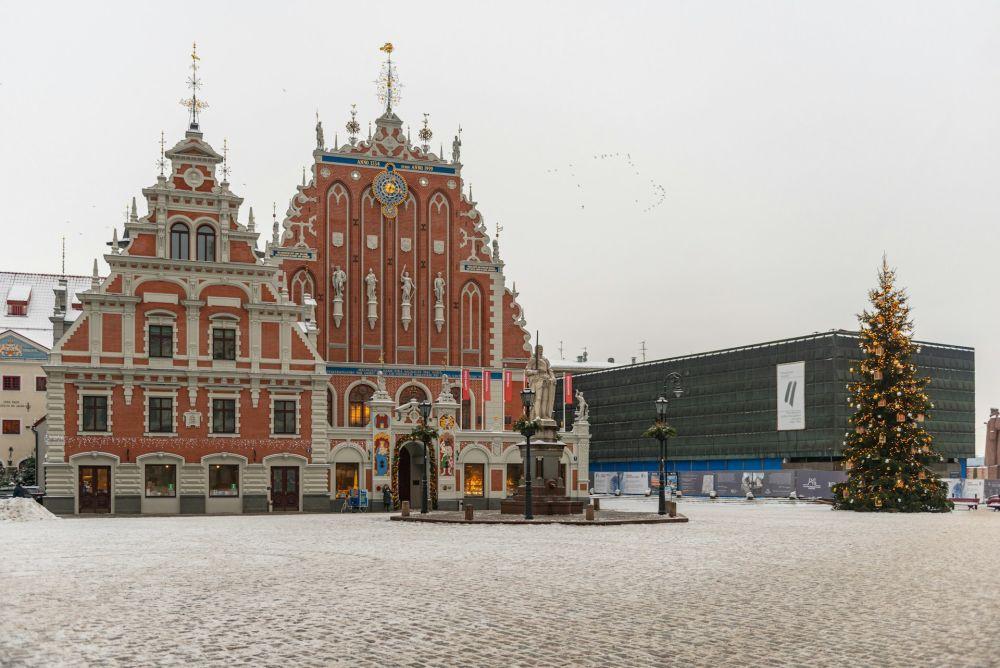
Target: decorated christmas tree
(888,454)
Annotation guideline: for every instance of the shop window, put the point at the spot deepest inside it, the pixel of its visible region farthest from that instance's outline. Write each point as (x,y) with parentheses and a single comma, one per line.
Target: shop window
(223,343)
(12,383)
(359,411)
(11,427)
(475,476)
(345,478)
(161,341)
(223,416)
(224,480)
(95,413)
(514,473)
(161,480)
(41,383)
(205,241)
(180,242)
(284,417)
(161,415)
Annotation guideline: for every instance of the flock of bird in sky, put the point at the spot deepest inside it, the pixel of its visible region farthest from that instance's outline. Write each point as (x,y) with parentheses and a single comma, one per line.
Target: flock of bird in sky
(657,192)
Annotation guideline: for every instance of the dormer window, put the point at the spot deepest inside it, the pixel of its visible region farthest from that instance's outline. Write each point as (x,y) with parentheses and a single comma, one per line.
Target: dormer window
(17,299)
(206,243)
(180,242)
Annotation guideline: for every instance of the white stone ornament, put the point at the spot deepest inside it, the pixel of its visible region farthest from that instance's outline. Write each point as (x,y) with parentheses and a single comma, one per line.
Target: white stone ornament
(408,290)
(337,238)
(371,241)
(405,244)
(439,247)
(339,280)
(451,184)
(439,286)
(371,284)
(192,419)
(325,173)
(193,177)
(356,175)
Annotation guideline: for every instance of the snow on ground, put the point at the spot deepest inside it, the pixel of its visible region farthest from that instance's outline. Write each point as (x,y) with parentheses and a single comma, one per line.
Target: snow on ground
(749,584)
(23,510)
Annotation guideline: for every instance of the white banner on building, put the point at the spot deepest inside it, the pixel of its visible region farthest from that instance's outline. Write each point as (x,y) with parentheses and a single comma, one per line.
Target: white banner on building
(635,482)
(791,396)
(605,483)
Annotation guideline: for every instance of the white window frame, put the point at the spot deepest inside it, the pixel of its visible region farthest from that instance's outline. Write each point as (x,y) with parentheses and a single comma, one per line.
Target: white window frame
(224,321)
(162,394)
(84,392)
(298,415)
(161,318)
(212,396)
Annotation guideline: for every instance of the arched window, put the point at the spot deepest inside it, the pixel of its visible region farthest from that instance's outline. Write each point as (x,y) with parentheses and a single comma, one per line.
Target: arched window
(206,243)
(359,412)
(414,392)
(180,242)
(302,285)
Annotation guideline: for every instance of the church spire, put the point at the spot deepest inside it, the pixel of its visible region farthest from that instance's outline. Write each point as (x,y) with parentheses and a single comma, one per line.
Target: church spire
(193,104)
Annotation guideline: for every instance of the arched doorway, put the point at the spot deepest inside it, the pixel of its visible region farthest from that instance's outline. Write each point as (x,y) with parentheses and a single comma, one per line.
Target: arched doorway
(404,475)
(410,473)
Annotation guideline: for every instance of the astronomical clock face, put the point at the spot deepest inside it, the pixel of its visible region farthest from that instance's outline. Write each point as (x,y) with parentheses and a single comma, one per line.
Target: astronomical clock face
(390,189)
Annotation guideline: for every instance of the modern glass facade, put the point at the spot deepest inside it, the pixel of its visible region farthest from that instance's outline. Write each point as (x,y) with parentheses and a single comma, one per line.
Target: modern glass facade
(729,407)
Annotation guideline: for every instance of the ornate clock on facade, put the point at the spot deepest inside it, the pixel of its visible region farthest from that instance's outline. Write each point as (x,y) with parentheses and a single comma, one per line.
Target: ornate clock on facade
(390,189)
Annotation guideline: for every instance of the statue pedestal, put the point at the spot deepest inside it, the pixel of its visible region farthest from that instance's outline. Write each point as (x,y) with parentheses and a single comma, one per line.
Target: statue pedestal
(548,489)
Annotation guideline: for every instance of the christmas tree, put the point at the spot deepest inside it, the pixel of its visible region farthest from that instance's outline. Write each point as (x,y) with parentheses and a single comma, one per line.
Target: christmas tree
(888,453)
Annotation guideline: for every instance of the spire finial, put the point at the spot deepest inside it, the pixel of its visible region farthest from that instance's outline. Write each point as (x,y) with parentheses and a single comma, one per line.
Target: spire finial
(114,242)
(162,162)
(353,127)
(64,255)
(425,134)
(225,159)
(303,176)
(95,280)
(251,226)
(274,223)
(193,104)
(135,212)
(388,82)
(126,213)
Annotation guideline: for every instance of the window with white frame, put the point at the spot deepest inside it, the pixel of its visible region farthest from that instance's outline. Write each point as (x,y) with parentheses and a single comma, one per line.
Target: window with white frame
(161,415)
(224,416)
(94,409)
(284,416)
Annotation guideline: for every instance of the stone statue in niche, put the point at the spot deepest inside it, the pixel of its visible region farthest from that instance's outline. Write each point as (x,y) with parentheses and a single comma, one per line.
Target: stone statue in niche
(339,281)
(439,288)
(543,382)
(408,286)
(371,283)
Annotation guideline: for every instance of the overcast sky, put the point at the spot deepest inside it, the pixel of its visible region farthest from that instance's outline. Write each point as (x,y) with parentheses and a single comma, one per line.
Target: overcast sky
(758,158)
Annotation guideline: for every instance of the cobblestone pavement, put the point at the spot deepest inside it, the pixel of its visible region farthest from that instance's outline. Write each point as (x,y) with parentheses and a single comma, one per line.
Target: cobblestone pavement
(764,584)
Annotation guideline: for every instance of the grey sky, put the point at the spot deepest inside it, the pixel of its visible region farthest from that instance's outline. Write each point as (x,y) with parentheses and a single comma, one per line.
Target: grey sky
(795,142)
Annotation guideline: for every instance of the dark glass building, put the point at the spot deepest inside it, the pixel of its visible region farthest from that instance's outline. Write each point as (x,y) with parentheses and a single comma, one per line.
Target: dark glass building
(727,417)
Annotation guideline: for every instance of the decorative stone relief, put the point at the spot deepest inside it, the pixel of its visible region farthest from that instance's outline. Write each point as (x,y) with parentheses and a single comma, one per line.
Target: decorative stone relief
(338,239)
(192,419)
(439,247)
(451,184)
(405,244)
(371,241)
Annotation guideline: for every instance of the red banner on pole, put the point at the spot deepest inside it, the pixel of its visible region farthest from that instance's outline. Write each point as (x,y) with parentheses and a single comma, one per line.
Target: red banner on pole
(568,388)
(508,386)
(465,385)
(486,385)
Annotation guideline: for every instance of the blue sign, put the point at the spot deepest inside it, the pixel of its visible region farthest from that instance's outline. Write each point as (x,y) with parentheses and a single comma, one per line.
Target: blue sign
(380,164)
(407,372)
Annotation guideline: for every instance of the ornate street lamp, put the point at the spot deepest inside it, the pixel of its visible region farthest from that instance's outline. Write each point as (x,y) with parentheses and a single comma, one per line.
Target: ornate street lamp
(662,435)
(425,413)
(528,400)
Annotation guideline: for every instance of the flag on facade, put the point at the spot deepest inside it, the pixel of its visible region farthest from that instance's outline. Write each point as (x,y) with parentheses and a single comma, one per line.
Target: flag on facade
(486,385)
(568,388)
(508,385)
(465,385)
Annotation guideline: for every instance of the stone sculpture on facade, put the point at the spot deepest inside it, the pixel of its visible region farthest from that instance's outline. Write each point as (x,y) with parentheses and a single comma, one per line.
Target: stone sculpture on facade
(543,382)
(456,147)
(992,458)
(582,408)
(371,284)
(439,286)
(408,288)
(339,280)
(320,144)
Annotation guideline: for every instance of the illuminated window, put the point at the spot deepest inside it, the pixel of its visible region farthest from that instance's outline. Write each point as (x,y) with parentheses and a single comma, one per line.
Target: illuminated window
(514,473)
(224,480)
(345,478)
(161,480)
(474,479)
(359,412)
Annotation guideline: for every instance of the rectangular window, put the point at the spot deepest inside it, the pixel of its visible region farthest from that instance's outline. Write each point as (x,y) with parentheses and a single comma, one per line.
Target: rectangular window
(161,341)
(161,415)
(360,414)
(514,473)
(17,309)
(95,413)
(11,426)
(474,476)
(223,343)
(346,478)
(224,480)
(223,416)
(41,383)
(161,480)
(12,383)
(284,417)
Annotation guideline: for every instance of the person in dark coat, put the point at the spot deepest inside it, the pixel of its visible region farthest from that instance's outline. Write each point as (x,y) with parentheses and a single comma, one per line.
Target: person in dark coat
(387,498)
(20,492)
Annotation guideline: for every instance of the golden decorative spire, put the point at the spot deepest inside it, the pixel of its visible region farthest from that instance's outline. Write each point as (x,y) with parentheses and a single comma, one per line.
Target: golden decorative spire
(193,104)
(388,81)
(162,163)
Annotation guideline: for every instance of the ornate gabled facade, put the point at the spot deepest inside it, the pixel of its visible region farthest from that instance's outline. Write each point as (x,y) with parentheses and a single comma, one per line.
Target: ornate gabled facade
(379,289)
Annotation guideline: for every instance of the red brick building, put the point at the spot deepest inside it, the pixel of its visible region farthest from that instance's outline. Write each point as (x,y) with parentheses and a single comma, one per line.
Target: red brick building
(224,379)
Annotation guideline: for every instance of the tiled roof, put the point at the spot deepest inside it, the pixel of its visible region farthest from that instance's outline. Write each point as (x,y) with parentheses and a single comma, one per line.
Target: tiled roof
(35,325)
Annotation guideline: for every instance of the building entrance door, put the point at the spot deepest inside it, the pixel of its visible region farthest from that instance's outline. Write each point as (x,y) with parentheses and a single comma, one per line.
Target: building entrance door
(284,488)
(95,489)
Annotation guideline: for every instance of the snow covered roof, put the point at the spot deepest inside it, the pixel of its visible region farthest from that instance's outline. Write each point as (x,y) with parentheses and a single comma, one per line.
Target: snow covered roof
(38,292)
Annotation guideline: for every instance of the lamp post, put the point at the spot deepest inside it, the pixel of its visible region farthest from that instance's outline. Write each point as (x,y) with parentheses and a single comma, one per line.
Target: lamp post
(528,400)
(661,418)
(425,413)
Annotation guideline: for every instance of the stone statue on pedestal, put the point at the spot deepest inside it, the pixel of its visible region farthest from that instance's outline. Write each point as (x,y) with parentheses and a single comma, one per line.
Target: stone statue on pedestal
(371,282)
(543,382)
(408,286)
(339,280)
(582,408)
(439,288)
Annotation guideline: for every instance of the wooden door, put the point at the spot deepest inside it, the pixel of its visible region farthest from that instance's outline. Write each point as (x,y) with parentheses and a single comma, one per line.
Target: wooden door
(284,488)
(95,489)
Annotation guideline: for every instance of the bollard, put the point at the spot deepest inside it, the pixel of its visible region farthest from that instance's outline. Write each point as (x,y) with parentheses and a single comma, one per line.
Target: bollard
(405,509)
(672,508)
(589,510)
(597,504)
(469,510)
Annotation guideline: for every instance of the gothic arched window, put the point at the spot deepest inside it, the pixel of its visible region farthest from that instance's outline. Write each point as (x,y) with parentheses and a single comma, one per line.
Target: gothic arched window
(302,285)
(414,392)
(358,411)
(206,243)
(180,242)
